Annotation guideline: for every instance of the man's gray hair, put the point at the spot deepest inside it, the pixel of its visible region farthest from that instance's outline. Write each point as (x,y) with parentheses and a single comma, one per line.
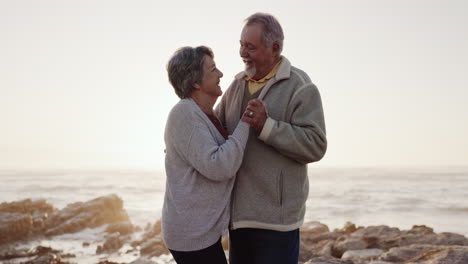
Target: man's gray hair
(272,31)
(185,68)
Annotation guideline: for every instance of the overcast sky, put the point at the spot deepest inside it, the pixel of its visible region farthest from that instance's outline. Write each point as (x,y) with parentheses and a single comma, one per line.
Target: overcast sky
(83,83)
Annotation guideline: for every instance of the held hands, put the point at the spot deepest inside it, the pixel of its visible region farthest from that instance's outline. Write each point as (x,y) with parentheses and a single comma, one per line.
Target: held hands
(256,114)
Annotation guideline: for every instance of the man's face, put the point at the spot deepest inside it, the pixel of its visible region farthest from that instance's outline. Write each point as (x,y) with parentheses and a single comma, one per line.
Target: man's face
(258,59)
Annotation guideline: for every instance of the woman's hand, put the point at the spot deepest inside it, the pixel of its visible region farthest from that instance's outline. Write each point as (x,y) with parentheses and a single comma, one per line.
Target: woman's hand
(256,114)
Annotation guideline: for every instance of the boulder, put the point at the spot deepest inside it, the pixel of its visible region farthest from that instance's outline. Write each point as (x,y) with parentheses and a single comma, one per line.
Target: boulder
(123,228)
(452,255)
(324,260)
(78,216)
(322,248)
(343,244)
(154,247)
(14,226)
(112,244)
(402,254)
(363,255)
(22,219)
(143,261)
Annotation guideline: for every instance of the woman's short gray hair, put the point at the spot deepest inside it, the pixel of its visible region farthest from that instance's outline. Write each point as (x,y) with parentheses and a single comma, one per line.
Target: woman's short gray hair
(185,68)
(272,32)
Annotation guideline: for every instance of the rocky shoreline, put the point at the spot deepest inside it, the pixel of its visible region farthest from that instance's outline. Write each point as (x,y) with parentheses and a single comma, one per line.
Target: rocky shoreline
(27,221)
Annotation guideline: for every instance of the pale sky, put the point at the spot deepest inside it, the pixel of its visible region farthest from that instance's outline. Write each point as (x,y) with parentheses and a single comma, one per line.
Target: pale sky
(83,83)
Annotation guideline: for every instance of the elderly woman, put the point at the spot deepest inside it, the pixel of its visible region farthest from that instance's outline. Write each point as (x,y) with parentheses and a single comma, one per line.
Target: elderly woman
(201,161)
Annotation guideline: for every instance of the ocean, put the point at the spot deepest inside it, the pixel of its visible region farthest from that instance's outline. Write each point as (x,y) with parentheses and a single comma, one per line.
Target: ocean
(401,198)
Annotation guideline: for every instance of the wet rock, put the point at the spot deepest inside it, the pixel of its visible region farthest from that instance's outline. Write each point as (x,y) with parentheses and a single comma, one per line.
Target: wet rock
(124,228)
(152,244)
(151,231)
(22,219)
(154,247)
(113,243)
(36,208)
(14,226)
(40,255)
(49,258)
(78,216)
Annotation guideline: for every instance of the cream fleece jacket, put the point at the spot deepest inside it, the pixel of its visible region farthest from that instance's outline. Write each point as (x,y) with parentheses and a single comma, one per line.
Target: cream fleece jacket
(272,183)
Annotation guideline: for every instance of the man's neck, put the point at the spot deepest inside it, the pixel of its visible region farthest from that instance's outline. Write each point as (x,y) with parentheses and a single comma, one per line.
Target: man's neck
(267,70)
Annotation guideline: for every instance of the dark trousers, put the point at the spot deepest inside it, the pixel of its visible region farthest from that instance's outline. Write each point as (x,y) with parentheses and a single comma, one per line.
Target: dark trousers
(213,254)
(259,246)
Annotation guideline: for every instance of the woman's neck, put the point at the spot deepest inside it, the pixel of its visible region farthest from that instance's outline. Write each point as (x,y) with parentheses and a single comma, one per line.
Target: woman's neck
(204,102)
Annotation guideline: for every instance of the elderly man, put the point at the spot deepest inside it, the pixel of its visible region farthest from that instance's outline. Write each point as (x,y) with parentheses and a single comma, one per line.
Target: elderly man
(285,112)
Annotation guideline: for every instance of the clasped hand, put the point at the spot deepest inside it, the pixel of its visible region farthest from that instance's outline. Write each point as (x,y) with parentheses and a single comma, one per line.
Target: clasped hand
(255,114)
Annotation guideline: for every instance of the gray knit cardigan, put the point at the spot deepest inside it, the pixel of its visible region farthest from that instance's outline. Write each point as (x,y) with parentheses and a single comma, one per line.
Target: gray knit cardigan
(200,168)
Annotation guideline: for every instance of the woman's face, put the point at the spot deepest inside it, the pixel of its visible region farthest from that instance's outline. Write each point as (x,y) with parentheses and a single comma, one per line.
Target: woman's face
(211,77)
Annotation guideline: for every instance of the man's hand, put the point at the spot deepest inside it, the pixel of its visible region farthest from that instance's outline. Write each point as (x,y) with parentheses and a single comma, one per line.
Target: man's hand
(256,114)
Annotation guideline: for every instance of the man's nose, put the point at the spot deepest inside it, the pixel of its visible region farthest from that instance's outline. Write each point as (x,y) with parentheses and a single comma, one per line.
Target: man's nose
(243,52)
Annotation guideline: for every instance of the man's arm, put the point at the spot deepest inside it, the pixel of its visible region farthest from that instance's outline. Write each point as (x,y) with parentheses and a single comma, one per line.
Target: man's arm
(304,138)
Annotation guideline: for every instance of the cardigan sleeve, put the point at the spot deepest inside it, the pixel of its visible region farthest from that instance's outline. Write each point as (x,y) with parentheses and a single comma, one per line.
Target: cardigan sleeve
(197,146)
(303,138)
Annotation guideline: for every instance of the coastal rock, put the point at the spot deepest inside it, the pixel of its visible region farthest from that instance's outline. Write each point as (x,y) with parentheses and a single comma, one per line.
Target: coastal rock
(348,228)
(113,243)
(78,216)
(362,256)
(344,244)
(143,261)
(47,259)
(22,219)
(402,254)
(381,236)
(40,255)
(322,248)
(316,240)
(313,228)
(154,247)
(14,226)
(225,242)
(123,228)
(324,260)
(29,207)
(152,243)
(426,235)
(452,255)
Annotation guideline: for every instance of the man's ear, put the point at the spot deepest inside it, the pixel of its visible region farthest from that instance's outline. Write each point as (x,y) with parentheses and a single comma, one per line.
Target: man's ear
(196,86)
(276,49)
